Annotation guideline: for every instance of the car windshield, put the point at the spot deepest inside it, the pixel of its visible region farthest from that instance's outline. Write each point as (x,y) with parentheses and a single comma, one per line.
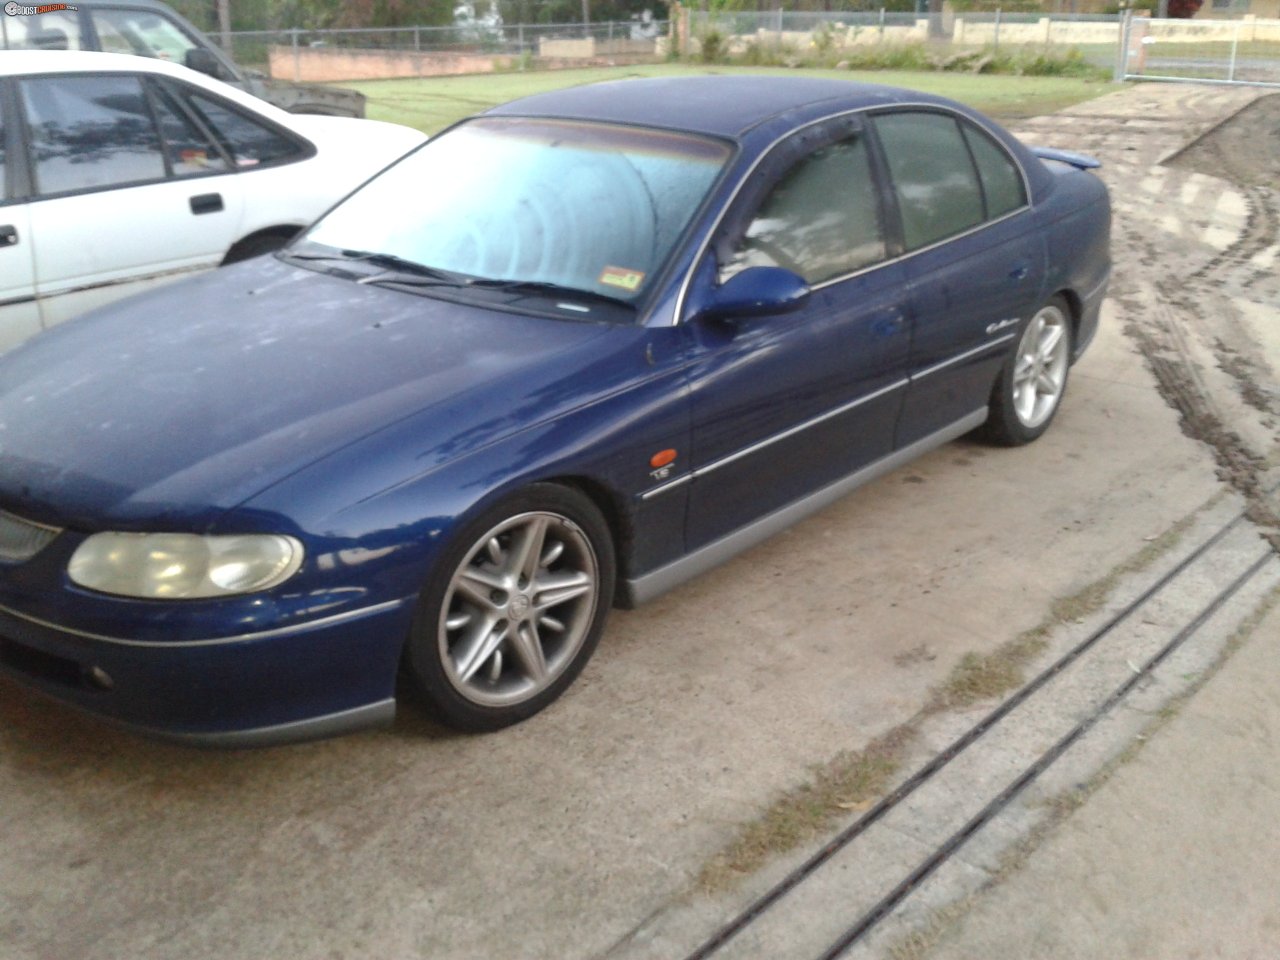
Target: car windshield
(534,205)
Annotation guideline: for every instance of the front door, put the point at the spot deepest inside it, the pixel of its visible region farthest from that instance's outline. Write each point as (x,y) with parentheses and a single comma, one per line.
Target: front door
(784,405)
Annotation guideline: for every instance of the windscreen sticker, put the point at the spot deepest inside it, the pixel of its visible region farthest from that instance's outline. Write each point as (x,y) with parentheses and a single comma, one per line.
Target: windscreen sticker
(628,280)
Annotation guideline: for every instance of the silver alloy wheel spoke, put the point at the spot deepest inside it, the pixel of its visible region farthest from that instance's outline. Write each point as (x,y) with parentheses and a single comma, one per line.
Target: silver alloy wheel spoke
(554,590)
(528,647)
(518,609)
(480,646)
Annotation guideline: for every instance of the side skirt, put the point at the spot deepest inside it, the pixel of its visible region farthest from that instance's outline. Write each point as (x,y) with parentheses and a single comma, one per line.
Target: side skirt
(632,593)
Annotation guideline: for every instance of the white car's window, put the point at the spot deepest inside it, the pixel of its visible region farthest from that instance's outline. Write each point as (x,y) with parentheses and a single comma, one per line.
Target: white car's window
(89,132)
(821,220)
(933,176)
(143,33)
(247,140)
(59,30)
(188,150)
(1001,180)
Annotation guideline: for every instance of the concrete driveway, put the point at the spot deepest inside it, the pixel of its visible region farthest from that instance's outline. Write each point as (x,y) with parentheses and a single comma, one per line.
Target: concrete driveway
(560,838)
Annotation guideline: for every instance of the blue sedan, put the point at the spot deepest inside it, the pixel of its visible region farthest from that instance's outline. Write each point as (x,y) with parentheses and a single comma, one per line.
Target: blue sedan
(564,356)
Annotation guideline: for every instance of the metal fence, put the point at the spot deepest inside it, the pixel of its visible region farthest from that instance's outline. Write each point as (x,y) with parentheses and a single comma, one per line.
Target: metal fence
(265,50)
(1245,51)
(846,34)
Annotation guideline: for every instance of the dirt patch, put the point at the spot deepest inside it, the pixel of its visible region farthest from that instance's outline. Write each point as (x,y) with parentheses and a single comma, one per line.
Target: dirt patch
(1244,150)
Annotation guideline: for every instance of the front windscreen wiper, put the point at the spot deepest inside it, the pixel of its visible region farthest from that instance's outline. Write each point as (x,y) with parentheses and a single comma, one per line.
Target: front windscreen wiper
(400,270)
(544,288)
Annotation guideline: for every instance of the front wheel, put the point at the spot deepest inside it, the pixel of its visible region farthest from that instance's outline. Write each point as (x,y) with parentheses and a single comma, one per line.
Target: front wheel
(1034,379)
(514,609)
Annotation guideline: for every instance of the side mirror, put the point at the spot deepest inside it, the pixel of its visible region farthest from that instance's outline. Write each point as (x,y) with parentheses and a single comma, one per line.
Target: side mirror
(198,58)
(756,292)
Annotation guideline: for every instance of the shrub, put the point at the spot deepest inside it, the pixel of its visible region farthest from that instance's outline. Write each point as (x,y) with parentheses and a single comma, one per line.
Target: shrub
(714,46)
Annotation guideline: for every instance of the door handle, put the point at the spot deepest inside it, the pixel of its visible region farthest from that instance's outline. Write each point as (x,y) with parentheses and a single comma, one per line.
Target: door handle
(8,235)
(206,203)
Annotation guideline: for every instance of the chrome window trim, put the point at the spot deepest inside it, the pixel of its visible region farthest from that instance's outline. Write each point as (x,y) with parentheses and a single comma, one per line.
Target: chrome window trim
(216,641)
(775,438)
(678,312)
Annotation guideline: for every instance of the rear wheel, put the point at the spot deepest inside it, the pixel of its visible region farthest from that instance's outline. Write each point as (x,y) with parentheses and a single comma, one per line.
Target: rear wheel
(1031,385)
(514,610)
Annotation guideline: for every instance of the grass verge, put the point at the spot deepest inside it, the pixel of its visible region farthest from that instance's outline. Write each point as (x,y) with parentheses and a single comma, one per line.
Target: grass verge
(432,103)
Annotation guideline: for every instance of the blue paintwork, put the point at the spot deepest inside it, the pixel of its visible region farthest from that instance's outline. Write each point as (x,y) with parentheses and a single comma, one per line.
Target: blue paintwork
(371,422)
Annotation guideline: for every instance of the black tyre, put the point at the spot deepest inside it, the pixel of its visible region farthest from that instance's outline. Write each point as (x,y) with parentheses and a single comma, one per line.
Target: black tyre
(513,610)
(1030,388)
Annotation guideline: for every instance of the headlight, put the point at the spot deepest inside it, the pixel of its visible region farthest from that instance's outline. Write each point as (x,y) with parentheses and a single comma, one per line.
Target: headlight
(183,566)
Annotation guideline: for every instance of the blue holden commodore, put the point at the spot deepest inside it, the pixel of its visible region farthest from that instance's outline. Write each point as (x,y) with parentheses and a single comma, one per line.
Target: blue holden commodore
(566,355)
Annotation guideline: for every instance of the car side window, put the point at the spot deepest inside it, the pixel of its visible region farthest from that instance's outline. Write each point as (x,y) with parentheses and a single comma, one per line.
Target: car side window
(4,174)
(249,142)
(89,132)
(142,33)
(56,30)
(188,150)
(821,220)
(1001,180)
(933,177)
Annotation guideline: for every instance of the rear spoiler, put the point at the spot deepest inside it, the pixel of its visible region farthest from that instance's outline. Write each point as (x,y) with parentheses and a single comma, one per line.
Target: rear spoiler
(1078,160)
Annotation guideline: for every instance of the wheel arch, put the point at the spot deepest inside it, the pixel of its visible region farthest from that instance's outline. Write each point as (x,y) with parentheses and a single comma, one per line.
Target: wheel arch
(1075,307)
(239,250)
(611,504)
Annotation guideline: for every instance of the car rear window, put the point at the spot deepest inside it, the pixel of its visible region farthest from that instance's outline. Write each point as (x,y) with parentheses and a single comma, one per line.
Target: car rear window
(1001,179)
(249,142)
(934,179)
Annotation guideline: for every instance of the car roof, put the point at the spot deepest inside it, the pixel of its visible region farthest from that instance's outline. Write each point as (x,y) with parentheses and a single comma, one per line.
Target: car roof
(17,63)
(726,106)
(144,4)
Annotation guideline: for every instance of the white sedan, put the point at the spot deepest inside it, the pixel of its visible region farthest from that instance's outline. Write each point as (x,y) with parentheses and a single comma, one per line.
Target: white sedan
(118,173)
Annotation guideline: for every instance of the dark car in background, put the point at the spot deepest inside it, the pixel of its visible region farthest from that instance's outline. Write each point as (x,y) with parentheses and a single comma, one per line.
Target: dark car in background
(151,29)
(648,324)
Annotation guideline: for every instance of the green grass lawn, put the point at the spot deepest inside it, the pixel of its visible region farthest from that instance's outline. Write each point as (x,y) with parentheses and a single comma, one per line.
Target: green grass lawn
(434,102)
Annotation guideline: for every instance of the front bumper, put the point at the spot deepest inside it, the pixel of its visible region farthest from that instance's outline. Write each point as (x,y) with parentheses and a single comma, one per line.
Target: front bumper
(304,681)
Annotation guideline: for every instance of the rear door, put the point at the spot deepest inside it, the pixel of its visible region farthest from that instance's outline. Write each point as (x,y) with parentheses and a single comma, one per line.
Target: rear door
(129,191)
(975,260)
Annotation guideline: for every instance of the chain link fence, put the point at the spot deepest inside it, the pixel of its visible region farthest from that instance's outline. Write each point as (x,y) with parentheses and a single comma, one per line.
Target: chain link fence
(1243,51)
(369,53)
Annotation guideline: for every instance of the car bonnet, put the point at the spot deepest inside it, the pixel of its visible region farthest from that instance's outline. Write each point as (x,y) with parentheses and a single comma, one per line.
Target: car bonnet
(165,410)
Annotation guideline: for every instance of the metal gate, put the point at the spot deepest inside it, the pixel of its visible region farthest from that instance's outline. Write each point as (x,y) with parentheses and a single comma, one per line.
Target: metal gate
(1245,51)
